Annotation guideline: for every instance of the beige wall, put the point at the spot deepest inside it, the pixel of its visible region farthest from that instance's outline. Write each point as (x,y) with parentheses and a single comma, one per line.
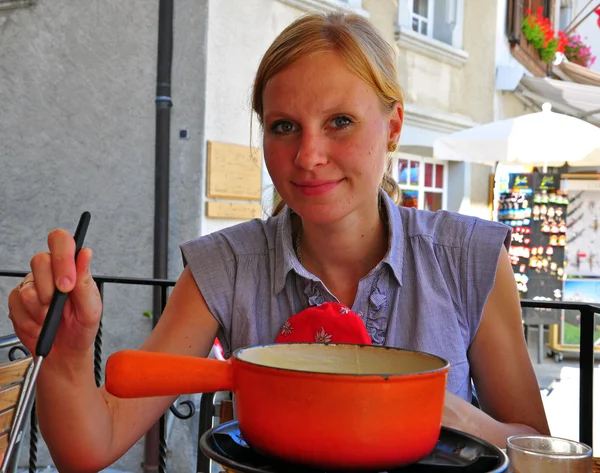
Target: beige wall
(473,85)
(425,81)
(466,89)
(383,13)
(239,34)
(509,106)
(463,92)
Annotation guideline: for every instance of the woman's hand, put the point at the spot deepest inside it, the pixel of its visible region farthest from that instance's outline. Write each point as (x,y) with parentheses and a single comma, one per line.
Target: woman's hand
(28,302)
(85,428)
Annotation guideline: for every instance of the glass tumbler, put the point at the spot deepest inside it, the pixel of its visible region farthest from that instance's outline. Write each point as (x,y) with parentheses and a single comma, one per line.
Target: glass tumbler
(542,453)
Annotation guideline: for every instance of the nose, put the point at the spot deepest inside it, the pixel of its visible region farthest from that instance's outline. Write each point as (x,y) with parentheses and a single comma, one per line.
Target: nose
(312,151)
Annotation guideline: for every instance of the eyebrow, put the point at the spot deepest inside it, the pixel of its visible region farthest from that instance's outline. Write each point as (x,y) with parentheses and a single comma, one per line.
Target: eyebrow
(331,110)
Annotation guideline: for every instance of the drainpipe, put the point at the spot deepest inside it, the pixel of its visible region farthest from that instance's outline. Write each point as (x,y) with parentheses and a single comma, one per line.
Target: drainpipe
(161,190)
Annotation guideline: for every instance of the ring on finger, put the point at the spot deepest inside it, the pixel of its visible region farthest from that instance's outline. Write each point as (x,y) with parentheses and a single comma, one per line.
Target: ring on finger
(22,283)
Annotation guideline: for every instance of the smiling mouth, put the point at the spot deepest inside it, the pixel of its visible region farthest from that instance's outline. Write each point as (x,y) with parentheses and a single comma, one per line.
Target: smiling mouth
(317,187)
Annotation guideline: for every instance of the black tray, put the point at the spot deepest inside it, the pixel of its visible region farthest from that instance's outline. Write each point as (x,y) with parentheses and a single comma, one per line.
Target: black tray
(455,452)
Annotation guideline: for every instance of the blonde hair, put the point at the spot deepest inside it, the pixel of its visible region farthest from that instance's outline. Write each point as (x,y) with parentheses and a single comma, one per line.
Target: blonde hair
(363,50)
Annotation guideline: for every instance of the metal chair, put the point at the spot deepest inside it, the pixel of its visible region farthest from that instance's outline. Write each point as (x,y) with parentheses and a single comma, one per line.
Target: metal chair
(14,376)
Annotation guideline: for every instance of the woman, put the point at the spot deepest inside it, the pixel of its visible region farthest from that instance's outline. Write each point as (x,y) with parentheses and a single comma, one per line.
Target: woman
(327,96)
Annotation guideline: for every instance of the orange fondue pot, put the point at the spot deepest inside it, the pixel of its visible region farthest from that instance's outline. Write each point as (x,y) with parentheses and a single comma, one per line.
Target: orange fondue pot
(331,406)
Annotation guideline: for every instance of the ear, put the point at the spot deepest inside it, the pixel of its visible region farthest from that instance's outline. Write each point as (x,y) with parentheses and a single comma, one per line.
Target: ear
(396,118)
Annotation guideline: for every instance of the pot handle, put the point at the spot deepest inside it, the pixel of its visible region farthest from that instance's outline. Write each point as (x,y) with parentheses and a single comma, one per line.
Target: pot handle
(136,373)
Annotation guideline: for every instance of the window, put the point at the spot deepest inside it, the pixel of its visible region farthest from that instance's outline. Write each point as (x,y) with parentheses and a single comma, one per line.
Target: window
(423,182)
(437,19)
(566,14)
(420,16)
(432,28)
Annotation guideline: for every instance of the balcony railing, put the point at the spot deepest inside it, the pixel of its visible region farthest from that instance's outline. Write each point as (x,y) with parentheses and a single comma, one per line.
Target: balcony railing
(156,440)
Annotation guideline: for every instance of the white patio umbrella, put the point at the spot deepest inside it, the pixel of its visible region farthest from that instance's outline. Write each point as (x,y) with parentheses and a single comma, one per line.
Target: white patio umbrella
(537,139)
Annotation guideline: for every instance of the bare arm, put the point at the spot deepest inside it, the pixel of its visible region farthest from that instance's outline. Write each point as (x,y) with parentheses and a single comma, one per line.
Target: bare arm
(502,372)
(86,428)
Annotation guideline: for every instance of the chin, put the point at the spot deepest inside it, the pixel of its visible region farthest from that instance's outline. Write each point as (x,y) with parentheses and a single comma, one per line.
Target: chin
(322,213)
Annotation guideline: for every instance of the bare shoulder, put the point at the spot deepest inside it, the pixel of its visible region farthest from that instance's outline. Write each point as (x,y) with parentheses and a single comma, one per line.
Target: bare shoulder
(186,326)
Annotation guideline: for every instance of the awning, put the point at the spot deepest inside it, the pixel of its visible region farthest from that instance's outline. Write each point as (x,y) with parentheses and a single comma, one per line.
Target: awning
(578,100)
(577,73)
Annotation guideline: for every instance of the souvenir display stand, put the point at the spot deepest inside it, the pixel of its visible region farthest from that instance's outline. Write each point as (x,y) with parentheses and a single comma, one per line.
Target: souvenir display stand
(536,208)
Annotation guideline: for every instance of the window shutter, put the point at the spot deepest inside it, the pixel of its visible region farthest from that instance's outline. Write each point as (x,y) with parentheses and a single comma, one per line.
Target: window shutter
(547,5)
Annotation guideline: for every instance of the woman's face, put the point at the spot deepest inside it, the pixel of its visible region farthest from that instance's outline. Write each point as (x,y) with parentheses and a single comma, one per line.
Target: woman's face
(325,138)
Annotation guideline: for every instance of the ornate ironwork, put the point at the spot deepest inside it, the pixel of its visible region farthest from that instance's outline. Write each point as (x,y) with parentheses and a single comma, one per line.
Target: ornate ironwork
(98,356)
(162,446)
(98,343)
(33,439)
(12,353)
(177,413)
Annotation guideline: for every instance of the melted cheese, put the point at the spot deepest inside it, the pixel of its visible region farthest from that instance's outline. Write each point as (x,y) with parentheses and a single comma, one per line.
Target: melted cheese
(341,359)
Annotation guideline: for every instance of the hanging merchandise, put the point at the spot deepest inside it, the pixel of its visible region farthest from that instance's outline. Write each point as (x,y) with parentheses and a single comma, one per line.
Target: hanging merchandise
(536,208)
(515,209)
(549,230)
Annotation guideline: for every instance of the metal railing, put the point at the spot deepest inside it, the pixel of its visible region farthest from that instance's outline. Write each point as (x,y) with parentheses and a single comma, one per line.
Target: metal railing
(586,359)
(155,456)
(155,451)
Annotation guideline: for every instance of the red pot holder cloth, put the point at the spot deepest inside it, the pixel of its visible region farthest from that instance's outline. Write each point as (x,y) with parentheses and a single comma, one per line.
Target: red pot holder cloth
(327,323)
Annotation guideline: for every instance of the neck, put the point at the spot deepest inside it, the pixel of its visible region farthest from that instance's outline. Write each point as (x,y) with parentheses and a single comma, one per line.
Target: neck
(343,252)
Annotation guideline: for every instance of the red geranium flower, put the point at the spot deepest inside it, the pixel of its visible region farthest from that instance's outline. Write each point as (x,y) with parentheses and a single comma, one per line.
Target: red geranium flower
(540,33)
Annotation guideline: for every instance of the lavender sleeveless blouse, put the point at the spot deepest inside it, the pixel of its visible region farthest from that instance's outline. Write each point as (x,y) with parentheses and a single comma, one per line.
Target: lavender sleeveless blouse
(427,294)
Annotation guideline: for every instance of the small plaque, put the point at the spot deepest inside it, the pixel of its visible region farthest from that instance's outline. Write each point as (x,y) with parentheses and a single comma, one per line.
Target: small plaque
(233,172)
(233,211)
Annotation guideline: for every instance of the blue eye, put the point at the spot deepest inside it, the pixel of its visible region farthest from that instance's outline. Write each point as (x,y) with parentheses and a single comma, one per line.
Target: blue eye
(341,122)
(282,127)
